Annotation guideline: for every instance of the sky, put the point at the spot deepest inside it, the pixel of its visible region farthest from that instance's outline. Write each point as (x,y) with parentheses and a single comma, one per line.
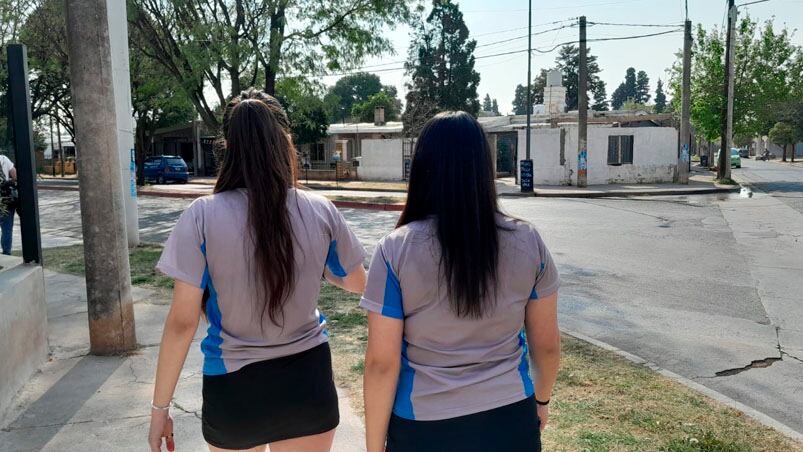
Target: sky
(492,21)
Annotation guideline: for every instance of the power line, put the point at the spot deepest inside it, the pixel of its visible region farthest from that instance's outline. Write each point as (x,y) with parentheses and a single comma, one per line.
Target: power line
(637,25)
(522,37)
(615,38)
(555,22)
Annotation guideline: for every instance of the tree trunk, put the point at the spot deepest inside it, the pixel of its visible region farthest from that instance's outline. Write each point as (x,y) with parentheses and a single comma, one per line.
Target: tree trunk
(783,153)
(793,152)
(277,23)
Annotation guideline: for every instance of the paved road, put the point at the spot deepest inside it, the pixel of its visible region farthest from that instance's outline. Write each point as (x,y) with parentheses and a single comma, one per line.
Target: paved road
(708,287)
(782,181)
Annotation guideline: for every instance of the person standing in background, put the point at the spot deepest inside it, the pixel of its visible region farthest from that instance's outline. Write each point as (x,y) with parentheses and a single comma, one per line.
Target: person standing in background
(8,177)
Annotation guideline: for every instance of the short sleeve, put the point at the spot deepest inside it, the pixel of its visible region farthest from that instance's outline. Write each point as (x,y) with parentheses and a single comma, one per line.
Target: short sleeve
(345,250)
(547,279)
(184,254)
(382,292)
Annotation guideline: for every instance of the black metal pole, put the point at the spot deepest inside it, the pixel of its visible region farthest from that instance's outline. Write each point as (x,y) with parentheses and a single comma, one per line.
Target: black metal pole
(20,102)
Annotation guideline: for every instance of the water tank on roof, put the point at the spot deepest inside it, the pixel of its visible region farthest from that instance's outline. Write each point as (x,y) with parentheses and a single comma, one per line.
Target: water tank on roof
(554,78)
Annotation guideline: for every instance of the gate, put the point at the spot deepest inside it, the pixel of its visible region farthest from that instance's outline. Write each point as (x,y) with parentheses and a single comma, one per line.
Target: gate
(408,147)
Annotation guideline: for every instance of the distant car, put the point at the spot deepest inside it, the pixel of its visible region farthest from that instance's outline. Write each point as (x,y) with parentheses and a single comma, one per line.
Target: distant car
(744,153)
(164,168)
(736,159)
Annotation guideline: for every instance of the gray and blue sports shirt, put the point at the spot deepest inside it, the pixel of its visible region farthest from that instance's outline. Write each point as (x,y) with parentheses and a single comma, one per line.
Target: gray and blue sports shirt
(454,366)
(209,248)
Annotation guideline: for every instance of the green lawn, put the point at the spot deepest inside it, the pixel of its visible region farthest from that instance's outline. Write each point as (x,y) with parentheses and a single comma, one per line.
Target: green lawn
(601,401)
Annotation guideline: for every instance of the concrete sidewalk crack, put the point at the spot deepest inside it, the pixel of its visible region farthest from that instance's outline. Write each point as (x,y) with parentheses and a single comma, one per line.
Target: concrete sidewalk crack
(62,424)
(756,364)
(184,410)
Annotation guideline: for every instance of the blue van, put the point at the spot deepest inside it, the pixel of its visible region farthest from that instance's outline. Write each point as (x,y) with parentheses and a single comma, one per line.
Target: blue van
(165,168)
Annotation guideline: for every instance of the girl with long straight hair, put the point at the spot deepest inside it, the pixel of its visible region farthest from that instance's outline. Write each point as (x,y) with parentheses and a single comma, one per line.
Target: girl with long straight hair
(250,259)
(450,293)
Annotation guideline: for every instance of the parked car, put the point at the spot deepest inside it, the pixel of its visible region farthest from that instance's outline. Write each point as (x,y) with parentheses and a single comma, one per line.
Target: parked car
(744,153)
(164,168)
(736,159)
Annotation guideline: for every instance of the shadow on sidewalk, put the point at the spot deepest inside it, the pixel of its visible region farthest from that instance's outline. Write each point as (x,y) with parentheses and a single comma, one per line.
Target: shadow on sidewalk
(45,417)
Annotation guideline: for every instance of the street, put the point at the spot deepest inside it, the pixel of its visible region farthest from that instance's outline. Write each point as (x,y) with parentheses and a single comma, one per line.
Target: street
(706,286)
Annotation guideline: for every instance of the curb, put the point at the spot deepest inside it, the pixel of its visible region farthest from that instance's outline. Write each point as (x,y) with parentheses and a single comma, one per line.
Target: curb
(624,194)
(189,195)
(691,384)
(326,187)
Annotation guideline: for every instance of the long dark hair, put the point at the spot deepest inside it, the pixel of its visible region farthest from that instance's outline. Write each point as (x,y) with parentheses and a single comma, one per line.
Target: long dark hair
(452,180)
(260,157)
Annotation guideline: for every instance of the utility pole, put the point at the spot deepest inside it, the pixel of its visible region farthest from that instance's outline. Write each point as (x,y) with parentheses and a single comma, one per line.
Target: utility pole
(685,110)
(52,149)
(108,278)
(724,171)
(582,110)
(61,147)
(526,168)
(121,76)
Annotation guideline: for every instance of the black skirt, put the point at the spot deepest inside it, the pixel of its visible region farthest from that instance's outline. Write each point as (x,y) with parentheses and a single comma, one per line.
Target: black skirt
(271,401)
(511,428)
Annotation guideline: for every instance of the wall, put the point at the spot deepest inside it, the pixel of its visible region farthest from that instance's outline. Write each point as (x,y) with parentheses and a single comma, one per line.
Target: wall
(381,159)
(23,327)
(654,155)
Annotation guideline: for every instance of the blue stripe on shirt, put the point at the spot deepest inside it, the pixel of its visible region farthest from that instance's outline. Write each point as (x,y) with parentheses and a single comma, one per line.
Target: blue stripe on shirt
(333,261)
(210,346)
(524,367)
(403,405)
(392,303)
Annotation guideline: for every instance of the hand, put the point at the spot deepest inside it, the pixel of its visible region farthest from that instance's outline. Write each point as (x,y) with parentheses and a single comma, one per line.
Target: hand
(543,415)
(161,427)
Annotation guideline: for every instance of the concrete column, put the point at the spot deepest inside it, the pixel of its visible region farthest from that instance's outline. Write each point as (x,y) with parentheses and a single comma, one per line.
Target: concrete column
(108,279)
(121,76)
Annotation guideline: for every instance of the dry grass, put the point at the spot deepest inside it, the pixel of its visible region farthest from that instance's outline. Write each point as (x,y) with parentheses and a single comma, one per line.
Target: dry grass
(601,401)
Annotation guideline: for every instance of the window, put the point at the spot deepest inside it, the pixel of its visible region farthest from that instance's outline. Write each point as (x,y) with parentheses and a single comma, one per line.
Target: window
(317,152)
(620,149)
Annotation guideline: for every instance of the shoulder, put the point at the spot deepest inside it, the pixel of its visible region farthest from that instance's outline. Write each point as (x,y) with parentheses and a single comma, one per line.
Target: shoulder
(5,161)
(313,199)
(407,235)
(520,232)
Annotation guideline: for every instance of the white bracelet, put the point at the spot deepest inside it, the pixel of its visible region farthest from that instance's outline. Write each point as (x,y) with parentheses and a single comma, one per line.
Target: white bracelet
(160,408)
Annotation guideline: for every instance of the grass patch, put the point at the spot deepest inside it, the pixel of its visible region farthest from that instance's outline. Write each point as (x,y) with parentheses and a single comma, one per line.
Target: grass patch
(726,181)
(142,260)
(601,401)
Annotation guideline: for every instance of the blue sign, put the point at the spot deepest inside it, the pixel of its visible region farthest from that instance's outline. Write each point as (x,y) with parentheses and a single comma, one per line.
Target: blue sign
(133,179)
(526,176)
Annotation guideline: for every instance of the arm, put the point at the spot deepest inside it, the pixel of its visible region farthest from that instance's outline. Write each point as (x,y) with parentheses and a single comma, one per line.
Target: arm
(12,173)
(382,364)
(180,326)
(353,282)
(543,338)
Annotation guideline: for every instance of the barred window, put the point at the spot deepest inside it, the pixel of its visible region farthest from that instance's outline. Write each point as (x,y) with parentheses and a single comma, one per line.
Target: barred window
(620,149)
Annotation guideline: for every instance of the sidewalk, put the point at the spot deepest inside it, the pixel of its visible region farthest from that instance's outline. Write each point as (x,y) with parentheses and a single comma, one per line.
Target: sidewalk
(700,182)
(82,402)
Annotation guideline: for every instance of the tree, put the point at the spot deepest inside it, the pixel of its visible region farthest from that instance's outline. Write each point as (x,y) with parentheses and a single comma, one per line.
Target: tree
(600,98)
(355,89)
(642,88)
(487,105)
(223,46)
(568,62)
(768,68)
(632,105)
(520,101)
(784,134)
(157,102)
(441,66)
(364,112)
(302,100)
(13,14)
(539,85)
(660,97)
(625,91)
(45,35)
(495,108)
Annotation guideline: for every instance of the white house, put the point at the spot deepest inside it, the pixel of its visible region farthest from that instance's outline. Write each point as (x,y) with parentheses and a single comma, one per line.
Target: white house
(616,155)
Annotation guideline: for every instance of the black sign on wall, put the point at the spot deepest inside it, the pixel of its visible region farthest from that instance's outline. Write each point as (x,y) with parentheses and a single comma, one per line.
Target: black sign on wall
(526,176)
